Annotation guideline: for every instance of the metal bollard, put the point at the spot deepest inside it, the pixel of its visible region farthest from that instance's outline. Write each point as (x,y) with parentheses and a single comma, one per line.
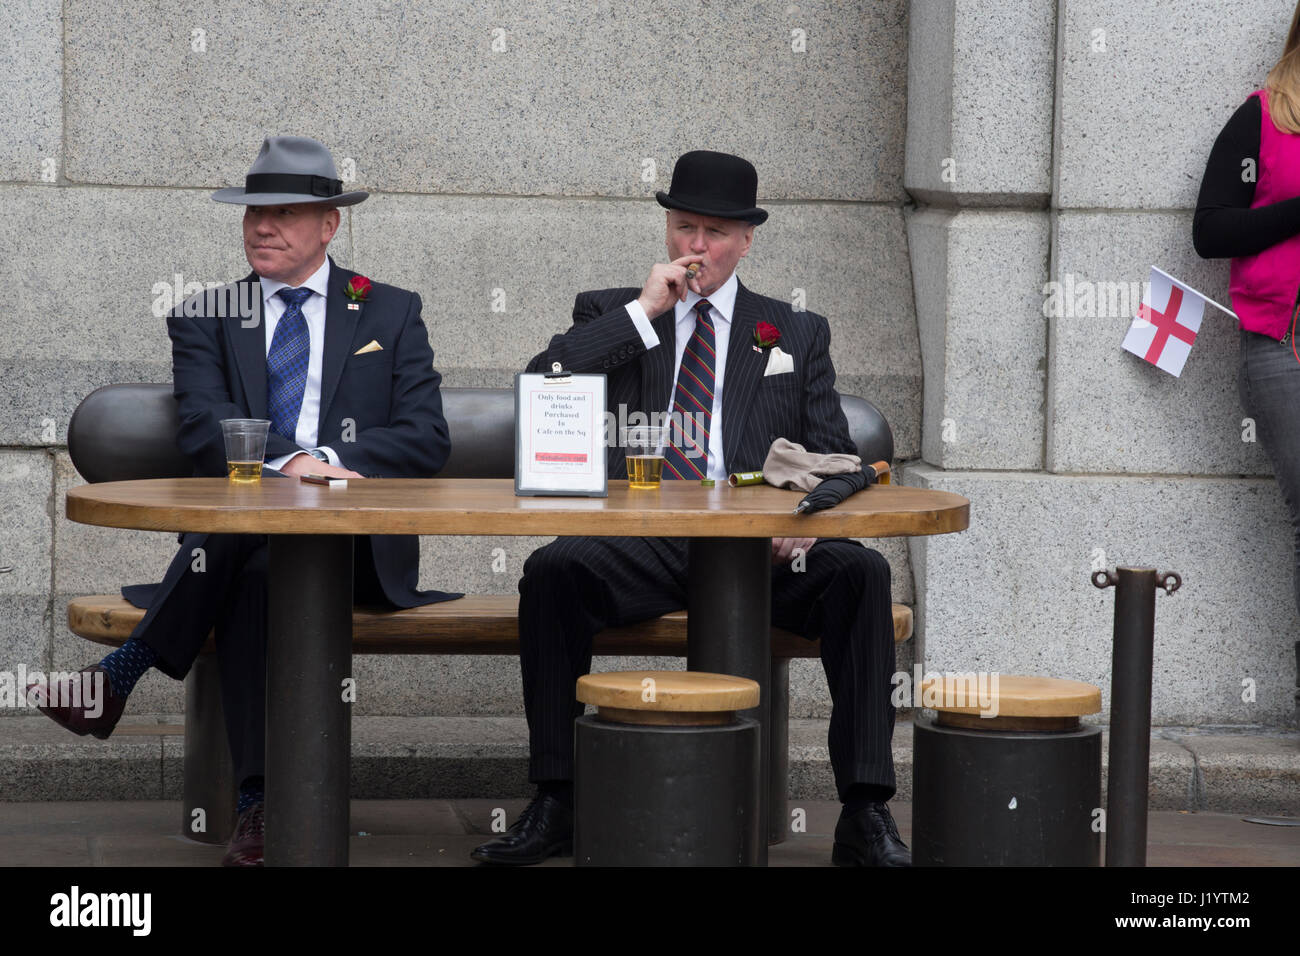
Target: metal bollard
(1130,708)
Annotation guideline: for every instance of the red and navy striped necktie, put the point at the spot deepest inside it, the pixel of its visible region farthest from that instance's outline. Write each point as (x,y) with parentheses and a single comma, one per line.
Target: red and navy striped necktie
(692,413)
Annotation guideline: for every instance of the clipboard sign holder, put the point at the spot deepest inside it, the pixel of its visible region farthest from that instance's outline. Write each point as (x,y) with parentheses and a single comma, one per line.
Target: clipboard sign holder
(595,483)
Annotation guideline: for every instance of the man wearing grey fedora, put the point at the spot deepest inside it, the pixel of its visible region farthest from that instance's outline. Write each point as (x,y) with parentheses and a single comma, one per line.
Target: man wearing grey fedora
(343,370)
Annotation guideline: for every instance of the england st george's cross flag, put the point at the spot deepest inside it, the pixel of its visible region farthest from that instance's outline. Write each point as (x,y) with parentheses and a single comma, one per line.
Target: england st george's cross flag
(1167,322)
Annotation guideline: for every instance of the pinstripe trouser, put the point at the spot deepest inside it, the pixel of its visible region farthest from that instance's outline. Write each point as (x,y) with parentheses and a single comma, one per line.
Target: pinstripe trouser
(576,587)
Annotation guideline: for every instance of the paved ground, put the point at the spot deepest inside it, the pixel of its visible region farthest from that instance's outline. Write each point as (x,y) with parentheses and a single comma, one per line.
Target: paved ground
(442,832)
(1221,770)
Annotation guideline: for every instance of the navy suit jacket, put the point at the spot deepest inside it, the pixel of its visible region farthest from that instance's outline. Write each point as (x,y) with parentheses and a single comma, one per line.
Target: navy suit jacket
(801,405)
(381,411)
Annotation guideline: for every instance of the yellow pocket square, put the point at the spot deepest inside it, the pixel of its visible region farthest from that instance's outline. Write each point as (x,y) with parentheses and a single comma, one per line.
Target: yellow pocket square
(372,347)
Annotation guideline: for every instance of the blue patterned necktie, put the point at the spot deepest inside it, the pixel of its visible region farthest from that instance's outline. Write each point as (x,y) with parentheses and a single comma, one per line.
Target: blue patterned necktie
(286,364)
(688,454)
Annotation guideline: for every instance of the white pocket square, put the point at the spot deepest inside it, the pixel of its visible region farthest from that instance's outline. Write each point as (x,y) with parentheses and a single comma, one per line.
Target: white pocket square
(778,362)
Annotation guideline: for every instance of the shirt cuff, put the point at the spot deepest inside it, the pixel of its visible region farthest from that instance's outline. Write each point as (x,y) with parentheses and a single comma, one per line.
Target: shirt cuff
(279,463)
(335,460)
(642,323)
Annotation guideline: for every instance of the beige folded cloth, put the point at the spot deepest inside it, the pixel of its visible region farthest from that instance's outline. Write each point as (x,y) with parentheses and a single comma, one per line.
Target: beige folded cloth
(789,466)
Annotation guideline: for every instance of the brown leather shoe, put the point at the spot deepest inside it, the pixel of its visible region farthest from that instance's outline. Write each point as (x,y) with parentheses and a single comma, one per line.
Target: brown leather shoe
(250,838)
(76,716)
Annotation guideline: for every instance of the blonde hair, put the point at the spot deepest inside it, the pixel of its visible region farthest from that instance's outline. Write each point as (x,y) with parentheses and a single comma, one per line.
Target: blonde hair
(1283,82)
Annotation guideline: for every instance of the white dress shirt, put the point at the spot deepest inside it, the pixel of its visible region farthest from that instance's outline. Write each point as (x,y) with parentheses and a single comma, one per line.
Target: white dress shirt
(722,304)
(313,311)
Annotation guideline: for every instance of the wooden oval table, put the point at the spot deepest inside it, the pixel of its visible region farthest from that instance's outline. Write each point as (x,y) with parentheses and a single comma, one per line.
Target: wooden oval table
(309,642)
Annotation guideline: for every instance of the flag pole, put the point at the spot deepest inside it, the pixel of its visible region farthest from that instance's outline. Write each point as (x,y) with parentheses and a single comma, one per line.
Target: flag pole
(1190,289)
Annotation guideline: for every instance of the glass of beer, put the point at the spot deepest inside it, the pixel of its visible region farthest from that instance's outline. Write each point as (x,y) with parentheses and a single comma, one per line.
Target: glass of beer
(245,448)
(644,447)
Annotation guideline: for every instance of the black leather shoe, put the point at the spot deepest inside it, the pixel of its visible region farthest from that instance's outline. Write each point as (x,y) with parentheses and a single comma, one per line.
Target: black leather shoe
(57,703)
(869,838)
(545,828)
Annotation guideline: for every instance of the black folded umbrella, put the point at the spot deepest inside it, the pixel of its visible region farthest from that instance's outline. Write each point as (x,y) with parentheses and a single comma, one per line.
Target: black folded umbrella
(836,488)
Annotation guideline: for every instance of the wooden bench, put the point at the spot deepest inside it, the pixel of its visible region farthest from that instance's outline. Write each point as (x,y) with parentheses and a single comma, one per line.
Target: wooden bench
(474,624)
(121,432)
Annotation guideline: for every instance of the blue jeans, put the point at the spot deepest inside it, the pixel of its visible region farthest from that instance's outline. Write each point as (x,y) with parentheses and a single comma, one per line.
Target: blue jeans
(1269,385)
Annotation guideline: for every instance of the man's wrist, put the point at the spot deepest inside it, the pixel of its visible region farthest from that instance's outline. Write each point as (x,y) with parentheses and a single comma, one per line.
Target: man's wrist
(279,462)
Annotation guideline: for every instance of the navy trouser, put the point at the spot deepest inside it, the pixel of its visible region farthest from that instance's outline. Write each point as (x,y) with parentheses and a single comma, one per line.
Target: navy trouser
(227,596)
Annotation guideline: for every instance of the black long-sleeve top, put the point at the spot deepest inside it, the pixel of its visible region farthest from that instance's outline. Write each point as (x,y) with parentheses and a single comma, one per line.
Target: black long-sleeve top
(1224,225)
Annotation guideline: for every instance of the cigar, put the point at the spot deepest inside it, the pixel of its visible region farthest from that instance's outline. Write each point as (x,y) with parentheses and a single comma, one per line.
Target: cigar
(692,271)
(324,480)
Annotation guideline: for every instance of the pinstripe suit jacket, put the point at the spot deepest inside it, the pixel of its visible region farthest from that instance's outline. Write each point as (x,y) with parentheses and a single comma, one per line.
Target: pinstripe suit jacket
(801,405)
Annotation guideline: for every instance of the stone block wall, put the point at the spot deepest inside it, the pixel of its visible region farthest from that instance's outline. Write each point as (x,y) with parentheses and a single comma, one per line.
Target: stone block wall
(932,169)
(512,149)
(1063,143)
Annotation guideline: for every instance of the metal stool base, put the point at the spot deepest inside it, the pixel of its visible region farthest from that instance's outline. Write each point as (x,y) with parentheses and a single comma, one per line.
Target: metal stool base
(666,796)
(1005,799)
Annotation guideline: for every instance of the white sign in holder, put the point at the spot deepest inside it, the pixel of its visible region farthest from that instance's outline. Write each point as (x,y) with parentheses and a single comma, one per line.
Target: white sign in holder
(560,435)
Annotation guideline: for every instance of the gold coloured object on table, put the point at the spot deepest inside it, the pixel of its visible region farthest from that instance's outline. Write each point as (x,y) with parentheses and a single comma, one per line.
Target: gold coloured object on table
(245,448)
(644,448)
(244,470)
(645,471)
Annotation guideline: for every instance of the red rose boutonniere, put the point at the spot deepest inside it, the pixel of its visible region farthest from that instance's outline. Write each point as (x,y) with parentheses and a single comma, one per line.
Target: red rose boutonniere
(358,288)
(766,335)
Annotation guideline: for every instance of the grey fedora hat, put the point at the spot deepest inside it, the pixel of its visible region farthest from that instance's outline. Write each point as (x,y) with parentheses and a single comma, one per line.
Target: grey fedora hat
(288,170)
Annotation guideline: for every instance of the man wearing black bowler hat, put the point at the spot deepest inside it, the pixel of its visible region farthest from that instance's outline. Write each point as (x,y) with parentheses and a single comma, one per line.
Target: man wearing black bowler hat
(746,370)
(343,370)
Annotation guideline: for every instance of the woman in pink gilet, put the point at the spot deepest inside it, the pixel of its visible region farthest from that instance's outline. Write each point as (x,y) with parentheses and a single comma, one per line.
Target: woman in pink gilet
(1249,210)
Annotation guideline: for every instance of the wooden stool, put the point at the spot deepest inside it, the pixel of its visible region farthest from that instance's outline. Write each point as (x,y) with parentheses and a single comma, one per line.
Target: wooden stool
(1022,788)
(665,773)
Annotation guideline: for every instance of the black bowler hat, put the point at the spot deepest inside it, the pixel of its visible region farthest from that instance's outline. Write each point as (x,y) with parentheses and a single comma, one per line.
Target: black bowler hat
(714,184)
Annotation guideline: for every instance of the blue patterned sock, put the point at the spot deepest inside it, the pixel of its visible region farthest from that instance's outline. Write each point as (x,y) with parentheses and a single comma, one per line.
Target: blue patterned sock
(250,792)
(127,664)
